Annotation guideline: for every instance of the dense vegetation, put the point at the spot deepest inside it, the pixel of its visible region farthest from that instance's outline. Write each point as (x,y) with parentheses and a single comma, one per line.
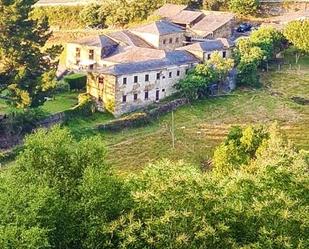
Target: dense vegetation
(26,71)
(62,194)
(197,81)
(122,12)
(254,52)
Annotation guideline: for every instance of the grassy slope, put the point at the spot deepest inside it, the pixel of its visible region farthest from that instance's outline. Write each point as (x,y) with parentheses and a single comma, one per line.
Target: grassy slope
(61,102)
(201,126)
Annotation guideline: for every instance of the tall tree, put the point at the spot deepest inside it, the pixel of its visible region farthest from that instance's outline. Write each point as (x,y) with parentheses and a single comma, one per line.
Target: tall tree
(297,32)
(26,71)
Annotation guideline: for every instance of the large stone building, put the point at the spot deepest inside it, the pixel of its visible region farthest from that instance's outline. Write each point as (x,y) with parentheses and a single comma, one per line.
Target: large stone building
(130,69)
(199,24)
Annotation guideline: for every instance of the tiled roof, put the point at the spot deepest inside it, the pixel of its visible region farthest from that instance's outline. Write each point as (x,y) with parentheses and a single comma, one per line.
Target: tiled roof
(161,27)
(212,21)
(129,39)
(208,45)
(96,41)
(174,58)
(169,10)
(186,17)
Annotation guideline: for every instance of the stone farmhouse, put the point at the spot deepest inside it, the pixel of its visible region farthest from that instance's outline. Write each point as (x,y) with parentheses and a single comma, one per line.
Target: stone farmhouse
(133,68)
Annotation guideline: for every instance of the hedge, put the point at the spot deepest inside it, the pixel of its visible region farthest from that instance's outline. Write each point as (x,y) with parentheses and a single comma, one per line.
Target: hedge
(76,81)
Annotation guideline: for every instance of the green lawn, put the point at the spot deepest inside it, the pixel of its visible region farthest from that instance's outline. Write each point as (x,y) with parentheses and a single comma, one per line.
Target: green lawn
(61,102)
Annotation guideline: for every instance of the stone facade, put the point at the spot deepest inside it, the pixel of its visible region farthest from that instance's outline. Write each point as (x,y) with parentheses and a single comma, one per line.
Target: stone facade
(129,92)
(165,42)
(131,69)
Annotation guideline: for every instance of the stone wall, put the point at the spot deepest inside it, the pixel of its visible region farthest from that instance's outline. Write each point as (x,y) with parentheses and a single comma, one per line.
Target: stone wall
(142,118)
(51,120)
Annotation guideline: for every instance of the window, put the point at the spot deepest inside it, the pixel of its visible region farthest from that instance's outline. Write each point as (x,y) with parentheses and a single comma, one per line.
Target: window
(170,74)
(224,54)
(135,79)
(157,95)
(208,56)
(178,72)
(124,81)
(177,40)
(158,76)
(163,90)
(147,77)
(146,95)
(91,67)
(101,79)
(124,98)
(77,55)
(135,96)
(164,41)
(171,40)
(187,70)
(91,54)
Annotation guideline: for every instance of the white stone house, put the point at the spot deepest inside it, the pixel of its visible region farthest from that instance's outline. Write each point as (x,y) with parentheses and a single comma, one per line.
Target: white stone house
(131,69)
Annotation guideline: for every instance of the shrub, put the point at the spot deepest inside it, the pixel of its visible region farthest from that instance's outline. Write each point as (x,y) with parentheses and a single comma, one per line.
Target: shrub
(22,121)
(244,7)
(62,86)
(76,81)
(85,106)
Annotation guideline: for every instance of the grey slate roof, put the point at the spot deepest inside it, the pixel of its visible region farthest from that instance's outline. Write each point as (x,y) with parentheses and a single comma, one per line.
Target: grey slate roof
(96,41)
(208,45)
(173,58)
(161,27)
(136,54)
(212,21)
(187,17)
(129,39)
(170,10)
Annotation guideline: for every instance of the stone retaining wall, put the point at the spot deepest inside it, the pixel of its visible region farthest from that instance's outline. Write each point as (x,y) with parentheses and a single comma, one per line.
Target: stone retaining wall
(142,118)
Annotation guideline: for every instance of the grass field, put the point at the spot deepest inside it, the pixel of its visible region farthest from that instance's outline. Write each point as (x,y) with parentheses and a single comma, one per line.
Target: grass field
(59,103)
(201,126)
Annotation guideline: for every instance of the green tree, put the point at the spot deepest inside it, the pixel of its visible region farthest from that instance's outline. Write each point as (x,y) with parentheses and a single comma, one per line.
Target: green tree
(240,146)
(90,15)
(59,192)
(24,67)
(248,58)
(244,7)
(222,65)
(214,4)
(260,205)
(268,39)
(195,84)
(297,33)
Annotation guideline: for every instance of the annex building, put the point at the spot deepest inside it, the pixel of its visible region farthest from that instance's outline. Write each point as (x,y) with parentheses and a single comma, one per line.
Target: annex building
(133,68)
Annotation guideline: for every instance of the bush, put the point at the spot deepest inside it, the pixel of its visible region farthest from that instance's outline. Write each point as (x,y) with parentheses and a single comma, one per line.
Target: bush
(244,7)
(76,81)
(85,106)
(62,86)
(22,121)
(62,16)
